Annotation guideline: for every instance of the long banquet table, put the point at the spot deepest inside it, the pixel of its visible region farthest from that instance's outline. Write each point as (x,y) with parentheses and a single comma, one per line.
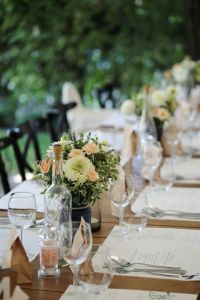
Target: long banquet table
(51,288)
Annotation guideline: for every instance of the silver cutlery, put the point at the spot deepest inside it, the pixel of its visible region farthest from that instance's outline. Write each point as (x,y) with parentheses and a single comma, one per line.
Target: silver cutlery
(161,272)
(36,223)
(6,221)
(124,263)
(157,212)
(195,178)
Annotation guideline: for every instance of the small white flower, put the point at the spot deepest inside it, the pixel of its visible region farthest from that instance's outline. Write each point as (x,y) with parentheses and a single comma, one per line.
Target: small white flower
(158,98)
(128,107)
(171,90)
(181,74)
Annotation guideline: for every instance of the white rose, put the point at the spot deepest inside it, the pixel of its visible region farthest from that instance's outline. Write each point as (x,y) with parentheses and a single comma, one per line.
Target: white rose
(158,98)
(128,107)
(180,74)
(188,64)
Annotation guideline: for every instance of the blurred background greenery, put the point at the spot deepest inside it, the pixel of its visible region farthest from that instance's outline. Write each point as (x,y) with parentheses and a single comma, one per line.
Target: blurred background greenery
(96,44)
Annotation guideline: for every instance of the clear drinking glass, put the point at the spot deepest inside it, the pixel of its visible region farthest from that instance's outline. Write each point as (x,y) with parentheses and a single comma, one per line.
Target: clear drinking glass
(22,210)
(122,199)
(137,219)
(185,138)
(166,175)
(96,278)
(151,152)
(75,248)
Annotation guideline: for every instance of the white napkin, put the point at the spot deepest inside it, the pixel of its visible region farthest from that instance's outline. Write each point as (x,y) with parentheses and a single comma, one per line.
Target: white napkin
(129,144)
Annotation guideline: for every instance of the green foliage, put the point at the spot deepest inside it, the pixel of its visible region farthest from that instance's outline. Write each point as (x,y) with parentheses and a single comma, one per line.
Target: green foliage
(91,43)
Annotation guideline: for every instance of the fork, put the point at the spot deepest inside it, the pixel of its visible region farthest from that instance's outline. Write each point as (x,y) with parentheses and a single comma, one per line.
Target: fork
(179,177)
(157,212)
(162,272)
(124,263)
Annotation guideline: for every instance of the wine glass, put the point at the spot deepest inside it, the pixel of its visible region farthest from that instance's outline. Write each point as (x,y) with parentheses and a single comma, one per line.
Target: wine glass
(121,195)
(151,152)
(22,210)
(75,241)
(98,275)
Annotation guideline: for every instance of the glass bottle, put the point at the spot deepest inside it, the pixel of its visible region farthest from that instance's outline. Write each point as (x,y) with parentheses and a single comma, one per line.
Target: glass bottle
(146,125)
(58,199)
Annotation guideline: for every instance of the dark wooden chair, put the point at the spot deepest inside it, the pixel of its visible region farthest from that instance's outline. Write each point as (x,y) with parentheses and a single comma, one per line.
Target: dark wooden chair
(5,143)
(57,120)
(28,133)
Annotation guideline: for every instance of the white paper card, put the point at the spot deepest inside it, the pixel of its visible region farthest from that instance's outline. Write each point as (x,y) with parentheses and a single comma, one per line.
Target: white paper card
(180,199)
(166,247)
(32,186)
(119,294)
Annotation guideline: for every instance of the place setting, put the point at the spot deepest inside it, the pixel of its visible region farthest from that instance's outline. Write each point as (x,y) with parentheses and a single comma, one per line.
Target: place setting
(186,170)
(165,256)
(174,206)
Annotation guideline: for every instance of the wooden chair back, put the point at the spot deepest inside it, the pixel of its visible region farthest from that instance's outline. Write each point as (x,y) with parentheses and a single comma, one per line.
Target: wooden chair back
(57,120)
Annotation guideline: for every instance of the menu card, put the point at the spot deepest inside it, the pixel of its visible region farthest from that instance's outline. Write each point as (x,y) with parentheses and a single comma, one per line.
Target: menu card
(180,199)
(186,169)
(27,186)
(119,294)
(161,246)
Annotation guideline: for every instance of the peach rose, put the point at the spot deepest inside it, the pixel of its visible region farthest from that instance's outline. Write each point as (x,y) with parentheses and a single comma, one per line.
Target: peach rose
(161,113)
(91,148)
(92,175)
(75,153)
(45,165)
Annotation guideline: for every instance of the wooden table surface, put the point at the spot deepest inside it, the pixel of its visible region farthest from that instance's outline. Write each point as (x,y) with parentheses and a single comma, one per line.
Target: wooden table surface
(47,288)
(52,289)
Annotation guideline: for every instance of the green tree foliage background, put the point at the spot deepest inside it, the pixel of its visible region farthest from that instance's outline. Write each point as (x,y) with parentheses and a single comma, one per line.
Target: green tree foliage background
(88,42)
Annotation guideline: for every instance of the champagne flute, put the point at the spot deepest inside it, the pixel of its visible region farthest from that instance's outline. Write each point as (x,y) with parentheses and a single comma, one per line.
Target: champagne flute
(75,246)
(22,210)
(121,196)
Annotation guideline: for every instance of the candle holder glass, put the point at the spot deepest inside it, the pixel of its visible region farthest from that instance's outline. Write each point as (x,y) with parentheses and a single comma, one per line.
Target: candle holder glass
(49,252)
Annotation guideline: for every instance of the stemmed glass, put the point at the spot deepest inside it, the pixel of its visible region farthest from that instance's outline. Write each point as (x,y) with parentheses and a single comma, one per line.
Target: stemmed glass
(75,245)
(22,210)
(152,156)
(121,196)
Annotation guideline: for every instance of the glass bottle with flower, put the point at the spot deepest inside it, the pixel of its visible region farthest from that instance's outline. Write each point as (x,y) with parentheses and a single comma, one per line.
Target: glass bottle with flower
(88,166)
(162,107)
